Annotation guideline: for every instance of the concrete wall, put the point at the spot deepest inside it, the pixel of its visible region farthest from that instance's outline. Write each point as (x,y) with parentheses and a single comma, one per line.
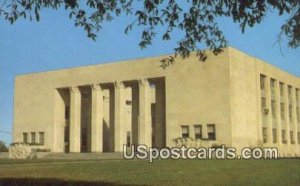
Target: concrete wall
(224,90)
(198,93)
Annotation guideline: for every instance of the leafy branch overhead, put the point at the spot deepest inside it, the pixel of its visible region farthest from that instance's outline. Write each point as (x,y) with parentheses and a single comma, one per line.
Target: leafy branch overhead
(197,19)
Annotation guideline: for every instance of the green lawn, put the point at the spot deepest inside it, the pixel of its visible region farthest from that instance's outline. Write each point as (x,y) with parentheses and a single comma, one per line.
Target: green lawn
(160,172)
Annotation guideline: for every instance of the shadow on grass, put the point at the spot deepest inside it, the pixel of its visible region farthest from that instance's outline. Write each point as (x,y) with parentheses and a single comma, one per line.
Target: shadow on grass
(52,181)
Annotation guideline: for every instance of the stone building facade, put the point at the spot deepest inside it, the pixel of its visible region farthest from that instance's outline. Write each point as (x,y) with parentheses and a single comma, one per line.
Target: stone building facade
(232,99)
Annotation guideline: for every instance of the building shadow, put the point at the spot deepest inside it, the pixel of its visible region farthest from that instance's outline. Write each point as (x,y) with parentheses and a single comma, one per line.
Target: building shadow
(54,181)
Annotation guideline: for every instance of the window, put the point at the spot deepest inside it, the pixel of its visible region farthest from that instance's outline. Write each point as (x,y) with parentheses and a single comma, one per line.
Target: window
(297,96)
(290,93)
(292,137)
(272,86)
(273,106)
(128,138)
(274,135)
(185,131)
(67,112)
(298,114)
(264,133)
(32,137)
(198,131)
(290,112)
(273,83)
(128,102)
(298,137)
(25,137)
(83,137)
(263,106)
(66,134)
(283,135)
(282,110)
(281,89)
(41,138)
(211,131)
(262,82)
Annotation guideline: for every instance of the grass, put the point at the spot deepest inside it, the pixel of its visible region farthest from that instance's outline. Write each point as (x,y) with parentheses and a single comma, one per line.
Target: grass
(160,172)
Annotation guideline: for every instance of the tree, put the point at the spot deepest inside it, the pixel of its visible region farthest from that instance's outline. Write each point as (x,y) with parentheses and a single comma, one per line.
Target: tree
(196,18)
(3,147)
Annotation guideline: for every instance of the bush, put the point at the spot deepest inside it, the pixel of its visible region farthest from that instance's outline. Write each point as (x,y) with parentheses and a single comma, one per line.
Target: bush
(3,147)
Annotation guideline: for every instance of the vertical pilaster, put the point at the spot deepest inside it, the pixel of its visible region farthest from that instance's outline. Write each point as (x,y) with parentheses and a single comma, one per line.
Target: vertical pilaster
(97,119)
(145,125)
(268,106)
(278,114)
(204,131)
(294,124)
(135,114)
(287,117)
(120,132)
(75,117)
(159,115)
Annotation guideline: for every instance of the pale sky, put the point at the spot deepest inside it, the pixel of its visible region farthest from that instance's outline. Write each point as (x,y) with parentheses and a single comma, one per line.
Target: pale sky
(54,43)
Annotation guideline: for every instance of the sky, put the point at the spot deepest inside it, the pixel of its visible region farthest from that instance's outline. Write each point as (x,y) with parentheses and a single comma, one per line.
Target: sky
(54,43)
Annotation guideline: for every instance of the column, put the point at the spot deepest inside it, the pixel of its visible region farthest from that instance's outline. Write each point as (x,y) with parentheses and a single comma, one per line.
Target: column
(135,114)
(259,108)
(145,125)
(294,124)
(159,136)
(119,129)
(287,117)
(269,116)
(97,119)
(75,117)
(204,131)
(278,112)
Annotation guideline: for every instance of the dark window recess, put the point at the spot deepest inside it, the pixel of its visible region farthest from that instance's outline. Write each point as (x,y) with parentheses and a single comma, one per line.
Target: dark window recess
(128,102)
(67,112)
(83,137)
(211,131)
(185,131)
(198,131)
(66,134)
(25,137)
(41,138)
(128,139)
(33,137)
(264,133)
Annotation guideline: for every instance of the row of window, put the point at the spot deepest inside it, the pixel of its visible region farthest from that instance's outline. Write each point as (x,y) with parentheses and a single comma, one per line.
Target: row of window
(283,136)
(33,138)
(211,132)
(282,104)
(281,89)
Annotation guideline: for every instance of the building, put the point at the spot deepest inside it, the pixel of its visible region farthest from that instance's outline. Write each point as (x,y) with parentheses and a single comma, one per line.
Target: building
(232,99)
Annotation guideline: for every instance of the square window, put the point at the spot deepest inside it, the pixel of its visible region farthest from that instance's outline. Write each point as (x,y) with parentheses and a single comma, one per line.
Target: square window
(282,110)
(32,137)
(185,131)
(211,131)
(198,131)
(292,137)
(262,81)
(273,106)
(41,138)
(283,136)
(274,135)
(264,133)
(25,137)
(281,88)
